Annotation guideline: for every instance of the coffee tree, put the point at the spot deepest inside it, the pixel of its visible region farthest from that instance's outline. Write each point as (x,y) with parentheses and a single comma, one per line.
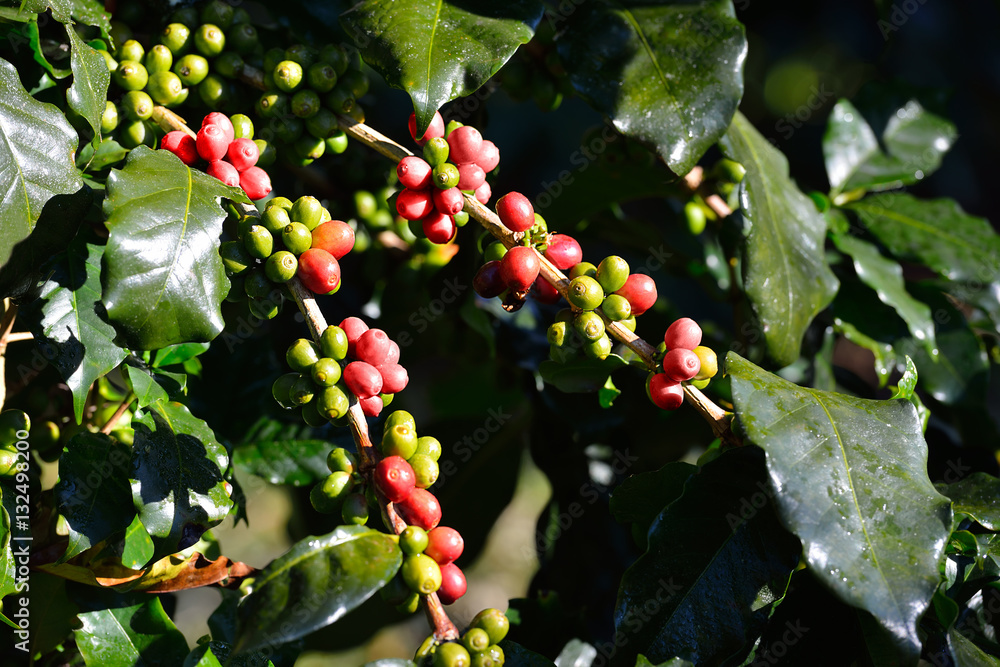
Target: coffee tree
(230,249)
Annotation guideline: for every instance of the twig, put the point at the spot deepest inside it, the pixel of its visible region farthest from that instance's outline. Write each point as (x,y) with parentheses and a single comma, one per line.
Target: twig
(6,325)
(110,425)
(695,181)
(20,336)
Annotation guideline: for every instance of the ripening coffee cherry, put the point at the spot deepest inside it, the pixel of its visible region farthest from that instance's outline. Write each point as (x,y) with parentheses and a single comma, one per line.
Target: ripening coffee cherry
(612,273)
(212,143)
(325,372)
(544,292)
(709,362)
(583,269)
(483,193)
(444,544)
(465,144)
(355,509)
(394,378)
(353,327)
(223,171)
(421,574)
(426,470)
(362,379)
(302,354)
(394,479)
(489,156)
(494,622)
(585,293)
(563,251)
(438,228)
(448,202)
(209,40)
(255,182)
(519,268)
(413,540)
(392,357)
(683,333)
(589,325)
(429,446)
(681,365)
(372,346)
(328,495)
(420,508)
(334,236)
(665,393)
(515,212)
(414,173)
(436,151)
(371,406)
(341,459)
(182,145)
(488,282)
(597,349)
(222,120)
(470,176)
(414,204)
(242,154)
(319,271)
(435,129)
(640,290)
(453,584)
(451,654)
(399,440)
(445,176)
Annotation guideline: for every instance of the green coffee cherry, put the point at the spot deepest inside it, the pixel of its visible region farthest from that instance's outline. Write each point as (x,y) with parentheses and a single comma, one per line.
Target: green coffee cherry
(214,91)
(445,176)
(326,372)
(335,55)
(242,126)
(229,64)
(287,75)
(272,104)
(192,69)
(281,266)
(275,219)
(187,16)
(209,40)
(109,60)
(256,285)
(336,143)
(302,354)
(130,50)
(694,215)
(616,307)
(177,38)
(259,242)
(165,88)
(308,148)
(589,325)
(341,459)
(137,105)
(131,75)
(413,540)
(311,416)
(476,640)
(436,151)
(235,257)
(243,38)
(585,293)
(109,119)
(399,440)
(451,127)
(429,446)
(410,604)
(135,133)
(217,12)
(268,153)
(597,349)
(328,496)
(496,655)
(158,59)
(296,237)
(333,342)
(356,81)
(12,421)
(425,469)
(493,622)
(612,273)
(305,103)
(321,77)
(355,510)
(282,390)
(629,323)
(461,218)
(322,124)
(302,390)
(397,418)
(339,100)
(556,334)
(421,574)
(307,210)
(451,654)
(332,402)
(303,54)
(357,113)
(583,269)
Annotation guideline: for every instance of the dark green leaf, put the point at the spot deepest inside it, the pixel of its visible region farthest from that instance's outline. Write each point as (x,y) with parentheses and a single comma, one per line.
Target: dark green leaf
(853,484)
(717,559)
(53,614)
(515,654)
(91,12)
(177,476)
(295,462)
(131,635)
(93,492)
(978,495)
(669,73)
(36,151)
(640,498)
(966,653)
(607,394)
(178,354)
(137,549)
(72,320)
(163,277)
(318,581)
(89,93)
(41,57)
(580,375)
(217,653)
(145,387)
(786,275)
(916,141)
(438,51)
(108,152)
(906,389)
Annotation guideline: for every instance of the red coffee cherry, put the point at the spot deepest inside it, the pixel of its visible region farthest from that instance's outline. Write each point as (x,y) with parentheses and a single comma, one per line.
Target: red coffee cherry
(470,176)
(563,251)
(664,392)
(488,283)
(444,544)
(394,478)
(438,228)
(182,145)
(319,271)
(222,120)
(362,379)
(448,202)
(223,171)
(464,145)
(420,508)
(212,143)
(519,268)
(544,292)
(242,153)
(683,333)
(453,584)
(680,365)
(516,212)
(640,290)
(255,182)
(394,378)
(372,346)
(414,173)
(334,236)
(371,406)
(483,193)
(353,327)
(414,204)
(489,156)
(435,129)
(393,355)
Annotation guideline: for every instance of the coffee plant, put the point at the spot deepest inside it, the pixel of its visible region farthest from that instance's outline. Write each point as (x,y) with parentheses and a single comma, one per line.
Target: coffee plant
(233,257)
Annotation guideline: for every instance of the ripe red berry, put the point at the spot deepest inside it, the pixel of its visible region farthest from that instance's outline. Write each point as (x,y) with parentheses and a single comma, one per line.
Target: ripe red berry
(362,379)
(414,173)
(438,228)
(470,176)
(435,129)
(664,392)
(393,355)
(519,268)
(464,145)
(212,143)
(223,171)
(483,193)
(563,251)
(334,236)
(353,327)
(182,145)
(544,292)
(420,508)
(255,182)
(394,378)
(680,365)
(372,346)
(444,544)
(516,212)
(394,478)
(371,406)
(319,271)
(489,156)
(487,282)
(453,584)
(640,291)
(448,202)
(683,333)
(222,120)
(414,204)
(242,153)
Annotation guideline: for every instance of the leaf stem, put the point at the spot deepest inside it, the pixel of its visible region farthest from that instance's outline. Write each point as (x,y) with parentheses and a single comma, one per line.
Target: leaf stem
(122,407)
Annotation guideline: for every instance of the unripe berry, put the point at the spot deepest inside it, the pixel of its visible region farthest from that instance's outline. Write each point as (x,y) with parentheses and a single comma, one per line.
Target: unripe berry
(222,120)
(372,346)
(563,251)
(212,143)
(494,622)
(438,228)
(224,171)
(444,544)
(394,479)
(489,156)
(242,154)
(585,293)
(426,470)
(182,145)
(488,282)
(334,236)
(664,392)
(451,654)
(519,268)
(341,459)
(465,144)
(470,176)
(319,271)
(413,540)
(420,508)
(414,204)
(362,379)
(516,212)
(353,327)
(453,584)
(394,378)
(448,202)
(612,273)
(435,129)
(255,182)
(709,362)
(683,333)
(681,365)
(640,290)
(414,173)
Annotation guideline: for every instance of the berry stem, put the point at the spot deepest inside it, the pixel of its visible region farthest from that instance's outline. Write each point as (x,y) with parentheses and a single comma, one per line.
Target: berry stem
(694,180)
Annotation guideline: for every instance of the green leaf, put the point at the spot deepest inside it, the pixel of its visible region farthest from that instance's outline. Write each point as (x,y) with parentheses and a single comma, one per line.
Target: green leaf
(137,549)
(886,278)
(140,633)
(643,661)
(936,233)
(285,453)
(318,581)
(217,653)
(580,376)
(669,73)
(108,152)
(916,141)
(53,613)
(89,93)
(177,476)
(36,153)
(966,654)
(515,654)
(640,498)
(439,51)
(178,354)
(607,394)
(91,12)
(978,496)
(906,389)
(145,387)
(93,492)
(163,277)
(786,275)
(72,320)
(717,559)
(852,484)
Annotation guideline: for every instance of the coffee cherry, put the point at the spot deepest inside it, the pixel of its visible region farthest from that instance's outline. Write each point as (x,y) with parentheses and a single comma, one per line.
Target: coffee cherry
(556,334)
(372,346)
(259,242)
(444,544)
(362,379)
(256,285)
(616,307)
(612,273)
(493,622)
(414,173)
(640,290)
(420,508)
(413,540)
(448,202)
(597,349)
(583,269)
(453,584)
(421,574)
(414,204)
(341,459)
(465,144)
(223,171)
(303,390)
(495,654)
(242,153)
(309,211)
(333,342)
(392,356)
(519,268)
(327,497)
(332,402)
(683,333)
(399,418)
(399,440)
(281,267)
(681,365)
(255,182)
(109,119)
(281,391)
(429,446)
(544,292)
(589,325)
(709,363)
(218,13)
(136,133)
(483,193)
(302,354)
(665,393)
(296,237)
(334,236)
(325,372)
(451,654)
(438,228)
(137,105)
(489,156)
(445,175)
(629,322)
(355,509)
(515,212)
(176,37)
(694,215)
(394,378)
(563,251)
(494,251)
(394,479)
(470,176)
(319,271)
(353,327)
(182,145)
(435,129)
(131,75)
(426,470)
(209,40)
(585,293)
(371,406)
(488,282)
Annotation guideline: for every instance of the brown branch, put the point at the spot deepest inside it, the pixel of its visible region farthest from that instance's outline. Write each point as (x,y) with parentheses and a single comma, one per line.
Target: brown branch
(110,425)
(6,326)
(20,336)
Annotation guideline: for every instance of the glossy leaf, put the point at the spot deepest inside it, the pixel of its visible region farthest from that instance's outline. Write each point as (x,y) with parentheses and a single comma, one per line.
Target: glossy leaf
(171,573)
(669,74)
(72,320)
(147,391)
(36,159)
(283,454)
(91,78)
(786,275)
(177,476)
(966,654)
(52,610)
(717,558)
(906,389)
(163,277)
(580,375)
(108,152)
(851,481)
(93,492)
(978,495)
(216,653)
(132,634)
(318,581)
(641,497)
(439,51)
(915,139)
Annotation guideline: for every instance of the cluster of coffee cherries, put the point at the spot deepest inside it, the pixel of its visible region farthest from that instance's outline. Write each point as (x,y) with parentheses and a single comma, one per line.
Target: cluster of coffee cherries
(455,161)
(478,646)
(685,359)
(227,148)
(343,491)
